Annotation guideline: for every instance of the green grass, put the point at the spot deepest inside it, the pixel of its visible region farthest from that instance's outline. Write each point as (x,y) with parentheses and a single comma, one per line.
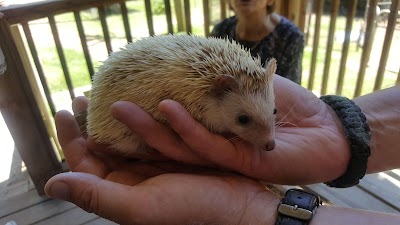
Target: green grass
(79,72)
(352,65)
(76,67)
(94,34)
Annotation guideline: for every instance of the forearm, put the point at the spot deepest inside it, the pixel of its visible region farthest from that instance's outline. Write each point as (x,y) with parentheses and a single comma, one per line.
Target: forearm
(382,110)
(331,215)
(263,210)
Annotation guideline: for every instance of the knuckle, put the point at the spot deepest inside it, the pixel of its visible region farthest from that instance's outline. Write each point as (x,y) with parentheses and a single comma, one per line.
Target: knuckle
(88,199)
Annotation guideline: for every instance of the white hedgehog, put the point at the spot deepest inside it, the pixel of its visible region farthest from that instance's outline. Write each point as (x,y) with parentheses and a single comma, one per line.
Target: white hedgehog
(218,82)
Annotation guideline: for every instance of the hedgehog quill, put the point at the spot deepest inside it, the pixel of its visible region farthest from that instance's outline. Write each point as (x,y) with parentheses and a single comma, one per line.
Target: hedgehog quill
(218,82)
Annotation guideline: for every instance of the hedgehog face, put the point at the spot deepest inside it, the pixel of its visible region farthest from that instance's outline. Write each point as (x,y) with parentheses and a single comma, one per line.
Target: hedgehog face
(248,113)
(249,116)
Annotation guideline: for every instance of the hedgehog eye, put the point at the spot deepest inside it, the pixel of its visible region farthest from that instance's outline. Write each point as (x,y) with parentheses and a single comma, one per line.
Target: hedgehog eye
(243,119)
(275,111)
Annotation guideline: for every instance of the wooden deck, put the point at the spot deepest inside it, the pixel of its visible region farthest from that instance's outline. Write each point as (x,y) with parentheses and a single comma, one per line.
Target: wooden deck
(29,208)
(379,192)
(19,201)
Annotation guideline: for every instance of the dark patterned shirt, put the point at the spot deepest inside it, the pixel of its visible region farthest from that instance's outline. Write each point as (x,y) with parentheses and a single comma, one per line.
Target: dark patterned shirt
(285,44)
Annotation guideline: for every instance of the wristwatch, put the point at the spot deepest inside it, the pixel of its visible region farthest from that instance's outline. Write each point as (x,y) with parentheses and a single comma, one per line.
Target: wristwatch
(297,207)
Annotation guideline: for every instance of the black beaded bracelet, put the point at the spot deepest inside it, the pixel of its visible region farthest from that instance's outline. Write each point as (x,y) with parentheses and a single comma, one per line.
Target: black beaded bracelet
(357,131)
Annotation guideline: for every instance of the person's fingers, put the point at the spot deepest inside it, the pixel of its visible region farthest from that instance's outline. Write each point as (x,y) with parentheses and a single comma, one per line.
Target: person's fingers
(191,131)
(292,146)
(79,107)
(145,202)
(107,149)
(67,128)
(293,102)
(80,104)
(107,199)
(93,145)
(74,146)
(212,147)
(152,132)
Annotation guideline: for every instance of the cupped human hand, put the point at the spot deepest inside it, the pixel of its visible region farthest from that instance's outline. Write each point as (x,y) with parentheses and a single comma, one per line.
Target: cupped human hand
(311,145)
(149,192)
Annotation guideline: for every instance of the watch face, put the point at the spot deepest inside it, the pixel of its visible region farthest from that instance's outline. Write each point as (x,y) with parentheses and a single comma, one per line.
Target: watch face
(299,204)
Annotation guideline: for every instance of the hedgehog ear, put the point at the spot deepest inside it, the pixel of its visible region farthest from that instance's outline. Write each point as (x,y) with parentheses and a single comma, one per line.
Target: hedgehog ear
(270,68)
(223,83)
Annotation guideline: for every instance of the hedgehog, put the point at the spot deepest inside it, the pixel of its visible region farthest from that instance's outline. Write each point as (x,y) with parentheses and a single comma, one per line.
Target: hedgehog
(216,80)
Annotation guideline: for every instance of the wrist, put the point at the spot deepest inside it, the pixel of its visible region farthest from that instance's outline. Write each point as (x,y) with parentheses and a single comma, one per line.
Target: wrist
(344,154)
(382,111)
(262,209)
(297,207)
(358,134)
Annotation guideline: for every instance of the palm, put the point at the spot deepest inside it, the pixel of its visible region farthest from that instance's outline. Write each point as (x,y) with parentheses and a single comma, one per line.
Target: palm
(194,196)
(156,190)
(305,126)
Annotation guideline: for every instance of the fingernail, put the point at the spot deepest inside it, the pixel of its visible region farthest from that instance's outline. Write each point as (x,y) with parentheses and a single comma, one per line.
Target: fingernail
(59,190)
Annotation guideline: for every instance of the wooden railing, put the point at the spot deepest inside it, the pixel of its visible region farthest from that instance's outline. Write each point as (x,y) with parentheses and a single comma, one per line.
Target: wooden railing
(29,115)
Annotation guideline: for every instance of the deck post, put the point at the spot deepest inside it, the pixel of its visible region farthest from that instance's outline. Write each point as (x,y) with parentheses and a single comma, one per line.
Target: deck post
(23,117)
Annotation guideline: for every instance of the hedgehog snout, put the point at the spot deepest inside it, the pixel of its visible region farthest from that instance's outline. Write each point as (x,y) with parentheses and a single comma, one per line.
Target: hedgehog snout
(269,146)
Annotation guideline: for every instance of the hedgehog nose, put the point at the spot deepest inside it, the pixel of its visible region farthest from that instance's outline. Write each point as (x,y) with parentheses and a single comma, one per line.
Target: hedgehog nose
(270,146)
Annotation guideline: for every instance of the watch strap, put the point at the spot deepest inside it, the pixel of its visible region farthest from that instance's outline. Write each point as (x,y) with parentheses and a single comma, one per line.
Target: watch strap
(285,220)
(297,207)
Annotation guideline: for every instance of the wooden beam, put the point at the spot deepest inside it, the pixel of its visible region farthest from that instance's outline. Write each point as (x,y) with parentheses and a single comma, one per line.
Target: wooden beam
(61,56)
(149,17)
(351,12)
(282,7)
(39,68)
(180,21)
(303,14)
(104,26)
(293,10)
(85,47)
(206,13)
(367,46)
(188,17)
(223,6)
(36,86)
(309,12)
(125,18)
(168,15)
(331,36)
(398,78)
(24,13)
(391,26)
(320,8)
(22,115)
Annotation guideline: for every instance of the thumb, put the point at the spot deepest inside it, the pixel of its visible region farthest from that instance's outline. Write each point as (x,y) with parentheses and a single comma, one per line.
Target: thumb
(93,194)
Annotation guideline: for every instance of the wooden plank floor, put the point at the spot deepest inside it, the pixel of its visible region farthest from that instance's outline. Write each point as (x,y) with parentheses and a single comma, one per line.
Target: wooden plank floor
(21,204)
(379,192)
(29,208)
